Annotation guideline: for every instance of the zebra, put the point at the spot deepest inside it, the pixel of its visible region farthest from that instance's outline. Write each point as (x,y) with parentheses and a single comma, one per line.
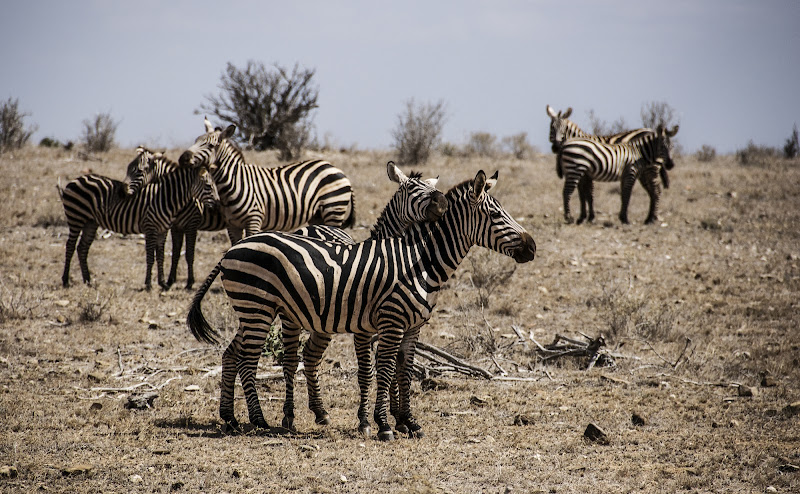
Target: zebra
(92,200)
(562,129)
(637,159)
(388,287)
(187,222)
(254,198)
(415,200)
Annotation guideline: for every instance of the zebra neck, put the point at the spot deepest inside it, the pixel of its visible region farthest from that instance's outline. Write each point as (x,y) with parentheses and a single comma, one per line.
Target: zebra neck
(440,247)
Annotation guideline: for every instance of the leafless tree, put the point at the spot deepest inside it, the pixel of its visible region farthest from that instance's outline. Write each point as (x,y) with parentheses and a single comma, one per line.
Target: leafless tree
(657,113)
(98,132)
(13,133)
(602,128)
(271,107)
(418,130)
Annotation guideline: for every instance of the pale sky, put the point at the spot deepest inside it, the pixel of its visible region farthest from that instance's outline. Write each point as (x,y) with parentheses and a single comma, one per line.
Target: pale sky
(730,68)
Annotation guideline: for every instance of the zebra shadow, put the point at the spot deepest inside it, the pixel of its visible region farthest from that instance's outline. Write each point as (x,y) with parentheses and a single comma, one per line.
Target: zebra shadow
(218,430)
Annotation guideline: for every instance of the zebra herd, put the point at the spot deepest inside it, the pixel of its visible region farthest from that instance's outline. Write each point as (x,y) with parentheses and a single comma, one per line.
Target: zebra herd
(291,261)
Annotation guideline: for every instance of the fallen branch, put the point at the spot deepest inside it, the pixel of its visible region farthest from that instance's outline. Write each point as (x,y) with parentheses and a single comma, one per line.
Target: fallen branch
(563,346)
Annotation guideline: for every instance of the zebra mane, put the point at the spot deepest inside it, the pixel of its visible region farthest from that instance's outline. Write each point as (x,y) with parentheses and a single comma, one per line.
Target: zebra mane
(414,174)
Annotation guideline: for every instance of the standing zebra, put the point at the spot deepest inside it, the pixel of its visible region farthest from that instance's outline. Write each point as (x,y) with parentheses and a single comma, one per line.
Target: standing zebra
(387,286)
(637,159)
(285,198)
(563,129)
(187,222)
(93,200)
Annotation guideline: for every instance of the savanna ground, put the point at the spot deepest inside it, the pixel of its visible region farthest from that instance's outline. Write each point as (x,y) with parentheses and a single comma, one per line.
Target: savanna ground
(721,268)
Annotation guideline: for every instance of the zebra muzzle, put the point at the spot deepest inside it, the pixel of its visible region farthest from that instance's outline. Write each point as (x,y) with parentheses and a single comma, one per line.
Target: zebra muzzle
(526,251)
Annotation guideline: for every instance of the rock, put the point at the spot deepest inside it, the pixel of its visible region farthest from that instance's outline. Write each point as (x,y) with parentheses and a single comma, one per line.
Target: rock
(478,401)
(522,419)
(768,381)
(792,409)
(77,469)
(141,401)
(746,391)
(637,419)
(8,472)
(595,434)
(430,384)
(136,479)
(96,406)
(192,387)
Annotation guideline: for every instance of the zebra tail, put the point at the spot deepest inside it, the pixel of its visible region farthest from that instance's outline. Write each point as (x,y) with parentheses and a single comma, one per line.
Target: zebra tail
(351,220)
(197,323)
(559,170)
(60,189)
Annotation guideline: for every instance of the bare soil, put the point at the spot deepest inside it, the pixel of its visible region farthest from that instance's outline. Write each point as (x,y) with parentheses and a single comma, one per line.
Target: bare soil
(721,269)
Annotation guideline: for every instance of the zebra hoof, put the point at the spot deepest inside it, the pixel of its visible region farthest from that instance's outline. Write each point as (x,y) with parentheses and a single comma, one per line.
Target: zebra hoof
(365,430)
(231,427)
(401,428)
(288,423)
(322,418)
(386,435)
(260,424)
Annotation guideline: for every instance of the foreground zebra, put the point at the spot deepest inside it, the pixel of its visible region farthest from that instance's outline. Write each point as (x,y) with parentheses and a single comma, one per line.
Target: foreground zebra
(563,129)
(415,200)
(93,200)
(285,198)
(639,159)
(387,286)
(187,222)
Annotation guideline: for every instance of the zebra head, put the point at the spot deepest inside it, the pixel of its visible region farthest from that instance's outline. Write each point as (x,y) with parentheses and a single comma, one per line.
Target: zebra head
(203,190)
(416,199)
(140,171)
(205,148)
(489,225)
(558,127)
(663,145)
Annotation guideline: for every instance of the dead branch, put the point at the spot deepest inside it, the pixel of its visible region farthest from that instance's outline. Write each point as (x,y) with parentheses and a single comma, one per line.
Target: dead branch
(563,346)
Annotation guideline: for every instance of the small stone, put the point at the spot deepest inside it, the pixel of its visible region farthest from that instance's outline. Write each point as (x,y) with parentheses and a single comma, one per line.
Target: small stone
(8,472)
(595,434)
(770,489)
(136,478)
(192,387)
(637,419)
(477,401)
(522,419)
(96,406)
(768,381)
(141,402)
(430,384)
(176,486)
(792,409)
(746,391)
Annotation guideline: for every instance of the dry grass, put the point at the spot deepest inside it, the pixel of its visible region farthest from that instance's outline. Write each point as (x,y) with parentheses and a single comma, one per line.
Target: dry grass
(721,270)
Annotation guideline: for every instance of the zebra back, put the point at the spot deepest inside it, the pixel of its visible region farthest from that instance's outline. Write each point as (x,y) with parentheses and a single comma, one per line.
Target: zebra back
(282,198)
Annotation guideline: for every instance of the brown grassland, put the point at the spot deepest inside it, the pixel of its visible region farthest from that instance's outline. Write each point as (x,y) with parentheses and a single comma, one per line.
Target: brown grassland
(720,268)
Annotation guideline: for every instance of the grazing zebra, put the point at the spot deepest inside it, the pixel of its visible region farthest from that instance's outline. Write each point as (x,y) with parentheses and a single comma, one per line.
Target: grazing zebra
(285,198)
(562,129)
(92,200)
(638,159)
(187,222)
(386,286)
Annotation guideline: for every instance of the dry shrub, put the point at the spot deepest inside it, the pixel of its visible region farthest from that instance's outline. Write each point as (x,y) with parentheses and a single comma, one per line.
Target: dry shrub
(418,131)
(98,133)
(631,315)
(706,153)
(518,146)
(481,144)
(13,133)
(757,155)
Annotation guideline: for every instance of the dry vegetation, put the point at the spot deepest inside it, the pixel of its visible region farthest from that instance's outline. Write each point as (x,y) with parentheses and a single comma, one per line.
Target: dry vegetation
(721,270)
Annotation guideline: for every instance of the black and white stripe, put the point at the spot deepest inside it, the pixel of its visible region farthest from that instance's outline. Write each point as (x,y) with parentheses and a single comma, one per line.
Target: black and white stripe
(284,198)
(638,159)
(387,286)
(92,200)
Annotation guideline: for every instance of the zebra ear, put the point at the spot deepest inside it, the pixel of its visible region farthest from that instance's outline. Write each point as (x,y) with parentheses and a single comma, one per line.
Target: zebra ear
(432,181)
(207,123)
(479,185)
(395,174)
(228,132)
(551,112)
(492,181)
(671,133)
(567,112)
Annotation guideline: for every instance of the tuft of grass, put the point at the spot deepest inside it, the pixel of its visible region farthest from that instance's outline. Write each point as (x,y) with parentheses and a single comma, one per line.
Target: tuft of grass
(630,315)
(91,309)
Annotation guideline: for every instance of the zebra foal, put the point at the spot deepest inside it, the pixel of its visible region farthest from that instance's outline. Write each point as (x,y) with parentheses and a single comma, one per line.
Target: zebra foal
(284,198)
(388,287)
(638,159)
(92,200)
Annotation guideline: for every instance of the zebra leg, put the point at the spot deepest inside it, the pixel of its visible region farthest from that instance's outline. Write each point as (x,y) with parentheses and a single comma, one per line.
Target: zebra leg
(585,194)
(291,345)
(366,374)
(313,351)
(150,251)
(161,241)
(253,339)
(228,384)
(569,185)
(628,179)
(403,375)
(87,237)
(649,181)
(177,245)
(388,344)
(72,241)
(234,234)
(191,241)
